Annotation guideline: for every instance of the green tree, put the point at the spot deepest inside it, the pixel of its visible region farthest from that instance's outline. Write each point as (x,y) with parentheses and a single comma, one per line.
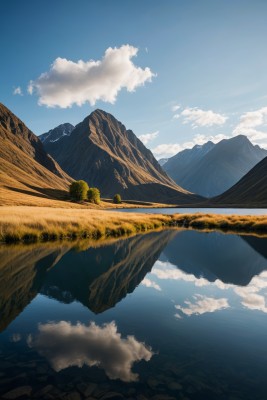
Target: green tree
(78,190)
(117,199)
(93,195)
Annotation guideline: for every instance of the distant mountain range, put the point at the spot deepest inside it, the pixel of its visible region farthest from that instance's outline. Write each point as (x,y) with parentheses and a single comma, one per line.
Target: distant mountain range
(25,167)
(104,153)
(211,169)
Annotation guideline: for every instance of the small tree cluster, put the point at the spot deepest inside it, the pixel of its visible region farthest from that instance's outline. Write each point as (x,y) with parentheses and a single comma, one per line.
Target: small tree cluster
(93,195)
(80,191)
(117,199)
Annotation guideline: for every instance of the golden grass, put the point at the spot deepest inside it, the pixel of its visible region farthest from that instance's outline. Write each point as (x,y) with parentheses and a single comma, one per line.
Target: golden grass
(33,224)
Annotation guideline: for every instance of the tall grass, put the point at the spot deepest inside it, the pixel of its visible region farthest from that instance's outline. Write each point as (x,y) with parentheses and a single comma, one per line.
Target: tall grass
(33,224)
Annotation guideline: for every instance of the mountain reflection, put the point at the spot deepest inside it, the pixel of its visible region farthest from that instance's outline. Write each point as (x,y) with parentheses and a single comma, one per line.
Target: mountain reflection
(100,277)
(229,258)
(65,345)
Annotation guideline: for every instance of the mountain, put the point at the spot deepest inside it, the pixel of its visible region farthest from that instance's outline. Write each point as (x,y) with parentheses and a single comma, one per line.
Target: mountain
(250,191)
(57,133)
(175,165)
(211,169)
(104,153)
(25,167)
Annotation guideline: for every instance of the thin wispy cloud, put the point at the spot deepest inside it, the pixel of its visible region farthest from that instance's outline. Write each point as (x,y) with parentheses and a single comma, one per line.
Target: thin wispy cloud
(68,82)
(18,91)
(176,107)
(148,137)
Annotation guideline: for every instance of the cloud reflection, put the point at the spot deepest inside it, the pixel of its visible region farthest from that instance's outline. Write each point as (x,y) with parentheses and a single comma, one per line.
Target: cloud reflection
(202,305)
(253,296)
(151,284)
(65,345)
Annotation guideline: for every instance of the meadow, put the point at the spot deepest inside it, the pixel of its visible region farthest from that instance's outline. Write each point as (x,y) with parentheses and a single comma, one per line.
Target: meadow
(41,224)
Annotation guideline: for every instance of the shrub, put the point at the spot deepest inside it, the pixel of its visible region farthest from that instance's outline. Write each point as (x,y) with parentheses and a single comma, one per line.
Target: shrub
(78,190)
(93,195)
(117,199)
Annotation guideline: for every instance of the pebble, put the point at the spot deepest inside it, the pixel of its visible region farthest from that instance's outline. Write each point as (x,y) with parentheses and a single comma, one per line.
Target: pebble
(18,392)
(112,396)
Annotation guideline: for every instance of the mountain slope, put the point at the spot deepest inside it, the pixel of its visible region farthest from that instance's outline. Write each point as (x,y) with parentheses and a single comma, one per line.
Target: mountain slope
(101,151)
(215,171)
(250,191)
(25,167)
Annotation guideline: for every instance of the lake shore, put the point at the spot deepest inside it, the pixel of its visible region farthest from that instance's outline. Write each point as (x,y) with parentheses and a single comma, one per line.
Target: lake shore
(42,224)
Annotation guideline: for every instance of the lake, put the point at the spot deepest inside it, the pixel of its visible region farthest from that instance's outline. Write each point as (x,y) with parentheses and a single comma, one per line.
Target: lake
(165,315)
(238,211)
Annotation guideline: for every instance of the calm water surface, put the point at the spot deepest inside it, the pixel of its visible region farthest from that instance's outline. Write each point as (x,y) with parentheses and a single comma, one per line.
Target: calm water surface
(239,211)
(166,315)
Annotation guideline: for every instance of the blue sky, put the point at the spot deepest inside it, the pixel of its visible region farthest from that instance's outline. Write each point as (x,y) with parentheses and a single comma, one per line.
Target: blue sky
(177,72)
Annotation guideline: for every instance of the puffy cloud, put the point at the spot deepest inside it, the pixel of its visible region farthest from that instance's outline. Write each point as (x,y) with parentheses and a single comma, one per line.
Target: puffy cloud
(249,125)
(148,137)
(18,91)
(151,284)
(202,305)
(198,117)
(66,345)
(68,82)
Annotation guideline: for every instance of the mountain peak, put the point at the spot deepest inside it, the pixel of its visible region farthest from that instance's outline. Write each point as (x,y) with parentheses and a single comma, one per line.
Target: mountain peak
(57,133)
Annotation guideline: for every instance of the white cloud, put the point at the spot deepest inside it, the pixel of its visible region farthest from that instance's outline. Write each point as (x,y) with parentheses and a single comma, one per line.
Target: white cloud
(148,137)
(166,150)
(68,82)
(166,272)
(202,139)
(202,305)
(65,345)
(176,107)
(18,91)
(151,284)
(198,117)
(249,125)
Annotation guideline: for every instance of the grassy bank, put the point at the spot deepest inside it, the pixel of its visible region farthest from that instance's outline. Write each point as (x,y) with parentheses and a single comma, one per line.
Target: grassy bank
(33,224)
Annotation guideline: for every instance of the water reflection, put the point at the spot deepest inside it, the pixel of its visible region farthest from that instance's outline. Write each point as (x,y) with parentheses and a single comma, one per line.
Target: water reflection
(65,345)
(198,299)
(229,258)
(97,277)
